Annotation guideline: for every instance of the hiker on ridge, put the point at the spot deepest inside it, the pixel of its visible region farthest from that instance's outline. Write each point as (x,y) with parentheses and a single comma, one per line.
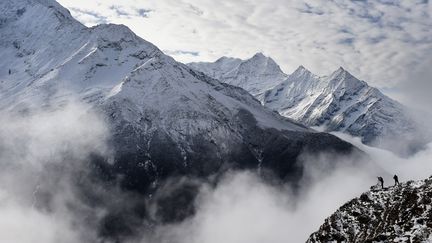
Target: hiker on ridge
(381,180)
(396,179)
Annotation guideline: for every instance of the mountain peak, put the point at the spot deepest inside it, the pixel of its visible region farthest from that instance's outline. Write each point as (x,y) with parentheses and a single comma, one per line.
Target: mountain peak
(264,63)
(114,31)
(301,67)
(301,70)
(37,13)
(259,55)
(341,73)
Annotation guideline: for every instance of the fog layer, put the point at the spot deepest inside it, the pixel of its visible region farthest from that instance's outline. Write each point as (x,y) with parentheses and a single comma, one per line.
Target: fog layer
(39,202)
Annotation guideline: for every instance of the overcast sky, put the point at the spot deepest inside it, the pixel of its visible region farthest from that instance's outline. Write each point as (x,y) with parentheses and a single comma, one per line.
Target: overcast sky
(383,41)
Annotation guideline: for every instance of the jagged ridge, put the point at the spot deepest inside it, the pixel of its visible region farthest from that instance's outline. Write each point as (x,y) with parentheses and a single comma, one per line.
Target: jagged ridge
(338,102)
(256,74)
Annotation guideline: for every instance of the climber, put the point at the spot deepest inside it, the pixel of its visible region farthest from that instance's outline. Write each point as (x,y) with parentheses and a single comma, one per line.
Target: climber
(10,72)
(396,179)
(381,180)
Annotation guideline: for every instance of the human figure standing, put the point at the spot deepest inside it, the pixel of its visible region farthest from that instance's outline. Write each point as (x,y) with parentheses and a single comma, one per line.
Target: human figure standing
(381,180)
(10,72)
(396,179)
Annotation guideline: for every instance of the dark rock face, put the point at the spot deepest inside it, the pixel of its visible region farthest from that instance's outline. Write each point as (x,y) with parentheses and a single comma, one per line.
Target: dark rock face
(144,159)
(397,214)
(151,166)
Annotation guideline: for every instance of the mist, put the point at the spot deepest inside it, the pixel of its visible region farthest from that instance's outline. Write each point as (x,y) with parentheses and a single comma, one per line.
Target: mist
(245,209)
(36,194)
(39,202)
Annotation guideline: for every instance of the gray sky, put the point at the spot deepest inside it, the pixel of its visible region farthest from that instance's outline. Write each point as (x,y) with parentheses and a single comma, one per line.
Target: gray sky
(383,42)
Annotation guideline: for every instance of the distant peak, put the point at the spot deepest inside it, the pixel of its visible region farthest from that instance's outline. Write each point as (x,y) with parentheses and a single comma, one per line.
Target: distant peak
(225,58)
(341,71)
(301,70)
(259,55)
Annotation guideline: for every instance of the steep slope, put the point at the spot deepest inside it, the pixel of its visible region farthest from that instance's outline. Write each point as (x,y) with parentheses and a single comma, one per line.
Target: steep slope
(338,102)
(151,102)
(341,102)
(397,214)
(46,49)
(256,74)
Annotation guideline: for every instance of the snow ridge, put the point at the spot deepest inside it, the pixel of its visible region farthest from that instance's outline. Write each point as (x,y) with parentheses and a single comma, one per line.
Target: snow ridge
(338,102)
(256,74)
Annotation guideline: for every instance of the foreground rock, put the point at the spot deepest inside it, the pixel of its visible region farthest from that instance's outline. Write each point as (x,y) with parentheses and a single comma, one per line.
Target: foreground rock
(395,214)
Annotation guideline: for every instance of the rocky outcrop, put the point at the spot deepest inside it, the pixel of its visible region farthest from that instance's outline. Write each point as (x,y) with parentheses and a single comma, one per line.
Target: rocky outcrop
(401,213)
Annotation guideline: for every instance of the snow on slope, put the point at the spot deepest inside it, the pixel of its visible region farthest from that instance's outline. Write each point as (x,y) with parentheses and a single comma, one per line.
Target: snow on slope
(256,75)
(396,214)
(67,57)
(165,119)
(338,102)
(341,102)
(45,48)
(152,103)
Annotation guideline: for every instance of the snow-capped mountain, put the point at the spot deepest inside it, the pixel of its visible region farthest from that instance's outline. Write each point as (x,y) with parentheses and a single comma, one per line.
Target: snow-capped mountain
(338,102)
(396,214)
(166,119)
(256,74)
(341,102)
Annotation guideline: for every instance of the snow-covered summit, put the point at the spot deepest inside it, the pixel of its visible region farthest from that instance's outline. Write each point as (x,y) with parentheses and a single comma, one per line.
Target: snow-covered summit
(152,103)
(341,102)
(45,48)
(401,213)
(256,74)
(337,102)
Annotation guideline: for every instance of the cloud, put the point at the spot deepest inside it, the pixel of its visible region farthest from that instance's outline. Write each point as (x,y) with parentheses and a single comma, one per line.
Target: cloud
(180,53)
(42,195)
(144,12)
(383,42)
(89,17)
(40,150)
(243,208)
(119,11)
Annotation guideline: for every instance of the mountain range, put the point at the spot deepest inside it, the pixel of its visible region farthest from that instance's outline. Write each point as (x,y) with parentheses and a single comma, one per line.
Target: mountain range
(338,102)
(166,120)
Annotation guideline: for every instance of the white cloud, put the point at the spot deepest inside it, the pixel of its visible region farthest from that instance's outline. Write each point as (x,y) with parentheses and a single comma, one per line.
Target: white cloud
(379,41)
(245,209)
(37,202)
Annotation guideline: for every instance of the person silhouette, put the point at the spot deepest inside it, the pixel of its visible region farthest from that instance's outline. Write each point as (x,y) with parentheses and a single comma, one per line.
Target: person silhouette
(396,179)
(381,180)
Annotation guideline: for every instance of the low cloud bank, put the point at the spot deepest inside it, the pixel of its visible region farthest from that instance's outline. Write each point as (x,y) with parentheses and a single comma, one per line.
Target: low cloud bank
(245,209)
(36,195)
(39,201)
